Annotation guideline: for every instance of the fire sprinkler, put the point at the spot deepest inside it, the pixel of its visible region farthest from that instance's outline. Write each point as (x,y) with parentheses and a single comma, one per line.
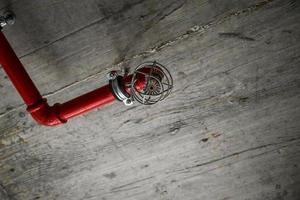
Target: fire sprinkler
(150,83)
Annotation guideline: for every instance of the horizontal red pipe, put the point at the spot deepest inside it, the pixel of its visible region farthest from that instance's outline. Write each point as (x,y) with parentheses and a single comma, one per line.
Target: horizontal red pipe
(37,105)
(84,103)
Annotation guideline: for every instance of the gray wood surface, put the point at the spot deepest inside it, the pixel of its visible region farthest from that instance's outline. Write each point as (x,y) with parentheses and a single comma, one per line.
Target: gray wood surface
(229,130)
(60,43)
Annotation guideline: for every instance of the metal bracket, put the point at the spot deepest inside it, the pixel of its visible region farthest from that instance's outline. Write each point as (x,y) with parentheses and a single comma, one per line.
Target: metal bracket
(116,85)
(8,18)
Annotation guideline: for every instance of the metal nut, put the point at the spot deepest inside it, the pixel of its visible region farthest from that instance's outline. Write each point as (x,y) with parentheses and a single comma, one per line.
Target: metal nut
(112,75)
(128,102)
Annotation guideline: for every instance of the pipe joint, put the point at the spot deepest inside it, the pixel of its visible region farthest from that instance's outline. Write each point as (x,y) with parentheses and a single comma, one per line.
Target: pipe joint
(45,114)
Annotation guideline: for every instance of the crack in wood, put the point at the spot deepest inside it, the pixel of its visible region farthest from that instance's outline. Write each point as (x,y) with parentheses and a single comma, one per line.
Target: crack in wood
(124,187)
(275,122)
(171,11)
(125,8)
(197,29)
(242,152)
(236,35)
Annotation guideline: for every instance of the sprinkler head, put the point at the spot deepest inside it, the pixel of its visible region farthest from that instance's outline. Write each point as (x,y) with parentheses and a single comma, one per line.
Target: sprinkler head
(158,83)
(150,83)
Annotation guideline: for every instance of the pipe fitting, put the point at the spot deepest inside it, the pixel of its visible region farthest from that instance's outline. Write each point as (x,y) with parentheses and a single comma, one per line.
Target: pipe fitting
(146,82)
(117,89)
(8,18)
(45,114)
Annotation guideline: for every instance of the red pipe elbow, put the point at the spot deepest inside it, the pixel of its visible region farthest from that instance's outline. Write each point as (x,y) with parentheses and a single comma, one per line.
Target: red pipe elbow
(38,106)
(46,115)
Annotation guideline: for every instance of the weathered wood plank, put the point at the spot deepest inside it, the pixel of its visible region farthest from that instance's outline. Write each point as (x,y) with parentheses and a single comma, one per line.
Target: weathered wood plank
(3,194)
(230,130)
(60,47)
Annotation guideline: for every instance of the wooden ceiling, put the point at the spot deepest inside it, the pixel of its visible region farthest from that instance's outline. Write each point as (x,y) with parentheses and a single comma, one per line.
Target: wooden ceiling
(229,130)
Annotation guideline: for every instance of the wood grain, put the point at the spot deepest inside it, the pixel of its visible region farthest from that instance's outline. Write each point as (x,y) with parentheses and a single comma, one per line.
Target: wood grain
(230,129)
(60,43)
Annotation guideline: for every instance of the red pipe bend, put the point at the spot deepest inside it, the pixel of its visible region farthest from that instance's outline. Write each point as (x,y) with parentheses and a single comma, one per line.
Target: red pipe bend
(37,105)
(44,114)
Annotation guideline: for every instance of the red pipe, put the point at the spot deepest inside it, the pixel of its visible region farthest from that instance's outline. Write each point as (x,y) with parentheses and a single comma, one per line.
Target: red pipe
(17,74)
(84,103)
(37,105)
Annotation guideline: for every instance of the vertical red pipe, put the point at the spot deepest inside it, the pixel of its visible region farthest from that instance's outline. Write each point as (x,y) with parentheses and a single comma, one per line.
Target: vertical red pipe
(17,74)
(38,106)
